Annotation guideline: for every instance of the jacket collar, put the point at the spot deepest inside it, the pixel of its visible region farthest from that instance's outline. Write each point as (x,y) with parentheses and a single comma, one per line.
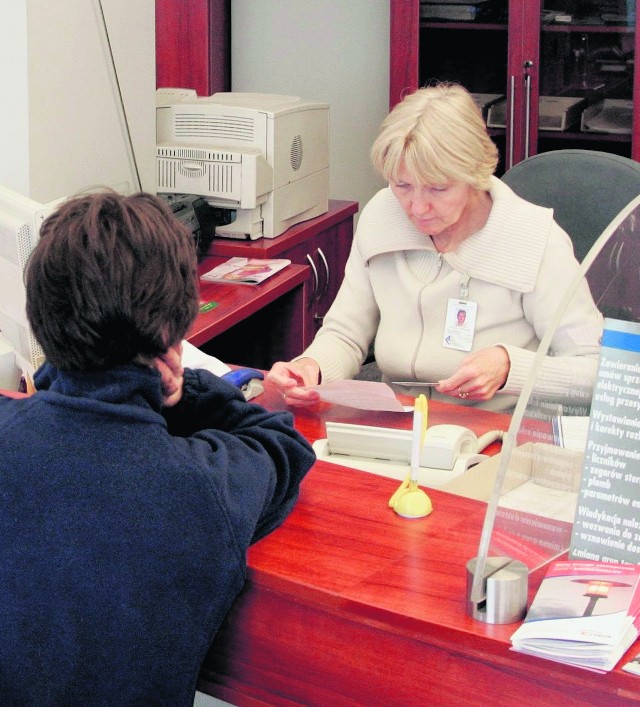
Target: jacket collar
(507,251)
(130,384)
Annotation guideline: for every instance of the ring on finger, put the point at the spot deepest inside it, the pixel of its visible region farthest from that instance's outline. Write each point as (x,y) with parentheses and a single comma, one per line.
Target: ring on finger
(462,394)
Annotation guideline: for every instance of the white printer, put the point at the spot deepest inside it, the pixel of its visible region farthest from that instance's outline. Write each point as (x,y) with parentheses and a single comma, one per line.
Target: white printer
(263,156)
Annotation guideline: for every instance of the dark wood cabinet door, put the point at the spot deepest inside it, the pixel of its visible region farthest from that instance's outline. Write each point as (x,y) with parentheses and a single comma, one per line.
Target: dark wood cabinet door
(193,45)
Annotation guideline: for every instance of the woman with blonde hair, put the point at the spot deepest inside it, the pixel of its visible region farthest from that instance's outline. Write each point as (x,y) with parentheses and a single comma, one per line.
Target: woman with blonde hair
(447,235)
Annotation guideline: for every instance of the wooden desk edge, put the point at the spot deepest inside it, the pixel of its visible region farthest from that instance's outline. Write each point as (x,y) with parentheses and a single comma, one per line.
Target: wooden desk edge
(210,324)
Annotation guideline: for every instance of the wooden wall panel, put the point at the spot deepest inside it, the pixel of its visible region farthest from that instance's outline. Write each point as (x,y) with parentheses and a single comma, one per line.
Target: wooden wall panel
(193,45)
(403,48)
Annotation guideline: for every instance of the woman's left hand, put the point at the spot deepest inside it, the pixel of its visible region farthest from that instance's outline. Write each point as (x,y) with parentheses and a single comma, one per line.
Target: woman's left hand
(479,375)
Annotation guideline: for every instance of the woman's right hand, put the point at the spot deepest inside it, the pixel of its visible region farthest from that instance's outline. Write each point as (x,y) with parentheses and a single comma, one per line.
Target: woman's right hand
(291,377)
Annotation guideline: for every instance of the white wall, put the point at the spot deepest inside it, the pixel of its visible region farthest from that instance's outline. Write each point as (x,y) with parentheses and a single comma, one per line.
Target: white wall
(61,127)
(336,51)
(14,128)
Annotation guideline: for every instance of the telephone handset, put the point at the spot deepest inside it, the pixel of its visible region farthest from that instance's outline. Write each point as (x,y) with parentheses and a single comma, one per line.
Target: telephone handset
(448,445)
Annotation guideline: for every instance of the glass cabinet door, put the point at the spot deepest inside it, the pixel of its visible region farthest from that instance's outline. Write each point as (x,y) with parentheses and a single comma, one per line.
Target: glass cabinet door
(468,44)
(548,74)
(586,75)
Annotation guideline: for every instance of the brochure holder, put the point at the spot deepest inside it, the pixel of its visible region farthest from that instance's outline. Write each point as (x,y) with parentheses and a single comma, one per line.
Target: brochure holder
(530,513)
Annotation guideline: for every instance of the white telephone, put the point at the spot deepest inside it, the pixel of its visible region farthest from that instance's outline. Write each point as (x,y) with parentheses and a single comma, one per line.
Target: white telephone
(446,445)
(448,450)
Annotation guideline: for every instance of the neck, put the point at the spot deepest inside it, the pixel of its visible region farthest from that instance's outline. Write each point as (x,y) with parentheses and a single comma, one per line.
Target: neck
(473,218)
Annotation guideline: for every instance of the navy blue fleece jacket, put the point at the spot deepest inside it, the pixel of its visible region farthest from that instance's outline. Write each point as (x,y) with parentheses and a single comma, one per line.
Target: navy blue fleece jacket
(124,529)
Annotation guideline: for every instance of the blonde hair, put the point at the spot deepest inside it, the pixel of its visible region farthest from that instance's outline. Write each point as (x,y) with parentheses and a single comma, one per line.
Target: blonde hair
(437,134)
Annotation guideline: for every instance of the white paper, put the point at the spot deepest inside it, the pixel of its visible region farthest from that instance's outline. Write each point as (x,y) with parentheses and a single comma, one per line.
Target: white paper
(364,395)
(531,497)
(572,432)
(633,666)
(9,372)
(192,357)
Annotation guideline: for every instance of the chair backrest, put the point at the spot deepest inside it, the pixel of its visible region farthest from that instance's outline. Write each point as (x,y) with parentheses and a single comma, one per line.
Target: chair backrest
(586,189)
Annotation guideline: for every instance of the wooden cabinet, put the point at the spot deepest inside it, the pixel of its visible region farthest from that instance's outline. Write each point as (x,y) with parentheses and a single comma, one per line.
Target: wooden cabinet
(192,51)
(253,326)
(193,45)
(322,243)
(538,56)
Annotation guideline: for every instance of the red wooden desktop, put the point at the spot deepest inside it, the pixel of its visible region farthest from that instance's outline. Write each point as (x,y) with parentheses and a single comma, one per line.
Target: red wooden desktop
(347,603)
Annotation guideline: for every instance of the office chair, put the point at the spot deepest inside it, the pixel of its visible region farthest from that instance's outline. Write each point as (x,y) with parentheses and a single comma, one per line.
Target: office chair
(585,188)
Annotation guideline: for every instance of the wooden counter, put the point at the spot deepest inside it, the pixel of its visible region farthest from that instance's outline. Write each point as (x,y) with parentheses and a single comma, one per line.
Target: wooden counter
(347,603)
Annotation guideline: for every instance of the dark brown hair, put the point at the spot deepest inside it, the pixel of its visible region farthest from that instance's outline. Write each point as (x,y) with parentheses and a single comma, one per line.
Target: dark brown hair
(113,278)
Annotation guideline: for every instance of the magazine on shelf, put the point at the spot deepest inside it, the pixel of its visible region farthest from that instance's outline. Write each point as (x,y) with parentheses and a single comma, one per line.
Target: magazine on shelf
(245,271)
(584,614)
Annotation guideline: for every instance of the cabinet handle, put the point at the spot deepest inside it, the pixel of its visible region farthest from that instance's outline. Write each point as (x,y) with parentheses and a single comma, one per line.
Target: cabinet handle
(316,282)
(512,103)
(527,117)
(327,273)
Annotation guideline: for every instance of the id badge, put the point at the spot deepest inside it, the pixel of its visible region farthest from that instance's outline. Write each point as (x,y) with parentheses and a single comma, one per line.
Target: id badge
(460,324)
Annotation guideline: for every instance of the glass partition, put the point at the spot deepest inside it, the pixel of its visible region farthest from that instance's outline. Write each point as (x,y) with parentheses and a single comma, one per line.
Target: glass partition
(531,511)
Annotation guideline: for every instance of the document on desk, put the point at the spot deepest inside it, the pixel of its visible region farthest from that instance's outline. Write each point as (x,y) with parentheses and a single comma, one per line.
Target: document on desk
(192,357)
(364,395)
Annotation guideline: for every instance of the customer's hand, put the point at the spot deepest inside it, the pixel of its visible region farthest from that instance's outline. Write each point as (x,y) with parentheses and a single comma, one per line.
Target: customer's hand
(479,375)
(169,365)
(290,377)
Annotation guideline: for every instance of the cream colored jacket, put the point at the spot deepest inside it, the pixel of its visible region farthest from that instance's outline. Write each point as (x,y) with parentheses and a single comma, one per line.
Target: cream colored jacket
(397,287)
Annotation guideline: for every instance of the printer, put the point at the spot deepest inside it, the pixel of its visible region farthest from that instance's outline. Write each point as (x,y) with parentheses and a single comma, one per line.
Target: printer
(263,157)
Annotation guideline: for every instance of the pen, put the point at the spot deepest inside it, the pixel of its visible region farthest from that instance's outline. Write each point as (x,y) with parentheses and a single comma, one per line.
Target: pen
(416,384)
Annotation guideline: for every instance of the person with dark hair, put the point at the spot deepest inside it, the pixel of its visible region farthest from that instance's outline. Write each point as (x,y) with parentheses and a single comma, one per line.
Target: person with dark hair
(112,280)
(131,487)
